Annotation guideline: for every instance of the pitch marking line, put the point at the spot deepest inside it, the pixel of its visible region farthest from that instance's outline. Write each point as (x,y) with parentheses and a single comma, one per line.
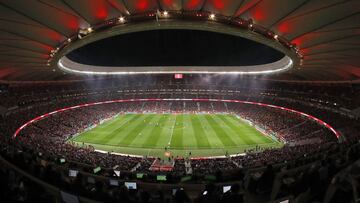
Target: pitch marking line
(172,132)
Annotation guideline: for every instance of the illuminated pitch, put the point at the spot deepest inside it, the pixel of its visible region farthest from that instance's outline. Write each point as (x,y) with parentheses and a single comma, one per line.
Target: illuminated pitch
(179,134)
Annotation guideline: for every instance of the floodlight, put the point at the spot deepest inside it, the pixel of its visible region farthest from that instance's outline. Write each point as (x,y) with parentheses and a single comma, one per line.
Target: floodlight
(121,19)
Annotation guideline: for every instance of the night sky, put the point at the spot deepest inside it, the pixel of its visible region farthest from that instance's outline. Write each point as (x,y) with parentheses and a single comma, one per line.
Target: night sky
(175,48)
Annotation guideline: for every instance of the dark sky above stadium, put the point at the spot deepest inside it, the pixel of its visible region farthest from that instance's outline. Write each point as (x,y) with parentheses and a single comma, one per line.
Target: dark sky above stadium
(175,48)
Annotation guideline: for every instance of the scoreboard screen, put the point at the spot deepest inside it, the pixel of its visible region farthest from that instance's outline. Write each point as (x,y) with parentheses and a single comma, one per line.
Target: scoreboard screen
(179,76)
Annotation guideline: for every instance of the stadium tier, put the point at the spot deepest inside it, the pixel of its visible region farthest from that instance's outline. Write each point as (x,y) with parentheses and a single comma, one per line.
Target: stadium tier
(180,101)
(170,130)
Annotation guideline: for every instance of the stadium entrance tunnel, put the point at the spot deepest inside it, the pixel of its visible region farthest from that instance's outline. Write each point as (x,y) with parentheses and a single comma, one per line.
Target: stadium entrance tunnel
(180,47)
(228,148)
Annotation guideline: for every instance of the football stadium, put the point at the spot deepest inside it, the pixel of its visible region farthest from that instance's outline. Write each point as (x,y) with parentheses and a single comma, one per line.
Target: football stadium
(180,101)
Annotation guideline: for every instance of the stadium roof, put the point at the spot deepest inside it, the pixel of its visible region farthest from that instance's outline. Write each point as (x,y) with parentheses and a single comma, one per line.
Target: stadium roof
(326,32)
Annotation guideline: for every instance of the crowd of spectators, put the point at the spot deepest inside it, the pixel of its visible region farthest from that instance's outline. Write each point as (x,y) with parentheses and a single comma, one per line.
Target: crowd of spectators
(49,136)
(41,146)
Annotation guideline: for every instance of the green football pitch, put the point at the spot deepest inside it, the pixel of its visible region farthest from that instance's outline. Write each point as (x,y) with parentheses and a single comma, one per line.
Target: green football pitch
(200,134)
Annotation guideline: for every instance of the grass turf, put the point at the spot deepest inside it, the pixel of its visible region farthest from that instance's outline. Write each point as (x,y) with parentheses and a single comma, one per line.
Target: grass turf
(200,134)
